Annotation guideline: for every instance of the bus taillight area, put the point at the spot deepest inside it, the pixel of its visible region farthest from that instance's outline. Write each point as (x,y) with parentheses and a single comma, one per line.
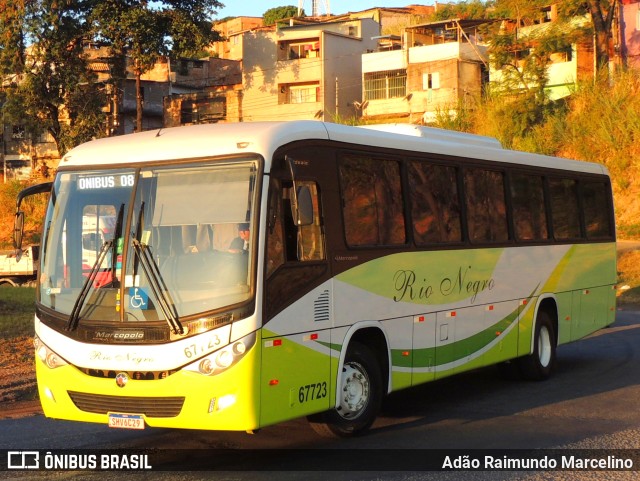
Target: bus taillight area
(210,393)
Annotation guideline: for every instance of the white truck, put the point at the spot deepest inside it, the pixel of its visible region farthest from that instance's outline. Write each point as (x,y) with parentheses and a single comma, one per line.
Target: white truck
(16,270)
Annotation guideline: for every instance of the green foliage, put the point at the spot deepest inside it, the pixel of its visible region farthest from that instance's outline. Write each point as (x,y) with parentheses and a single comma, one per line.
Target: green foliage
(604,125)
(33,208)
(17,307)
(271,16)
(146,31)
(474,9)
(11,38)
(54,72)
(457,117)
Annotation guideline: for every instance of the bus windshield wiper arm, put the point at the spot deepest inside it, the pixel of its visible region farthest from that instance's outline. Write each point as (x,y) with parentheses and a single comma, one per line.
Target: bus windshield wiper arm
(74,317)
(117,234)
(159,288)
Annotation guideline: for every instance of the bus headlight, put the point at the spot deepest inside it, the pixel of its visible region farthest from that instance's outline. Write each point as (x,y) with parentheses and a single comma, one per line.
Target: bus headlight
(224,358)
(46,355)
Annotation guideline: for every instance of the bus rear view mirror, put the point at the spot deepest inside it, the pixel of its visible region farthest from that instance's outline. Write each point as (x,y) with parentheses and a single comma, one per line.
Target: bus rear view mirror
(18,222)
(18,229)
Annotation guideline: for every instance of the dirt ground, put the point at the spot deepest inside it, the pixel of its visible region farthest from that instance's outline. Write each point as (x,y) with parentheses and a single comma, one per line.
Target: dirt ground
(18,393)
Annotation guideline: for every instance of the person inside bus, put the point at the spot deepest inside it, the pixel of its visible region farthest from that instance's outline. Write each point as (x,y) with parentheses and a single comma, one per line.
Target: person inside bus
(240,244)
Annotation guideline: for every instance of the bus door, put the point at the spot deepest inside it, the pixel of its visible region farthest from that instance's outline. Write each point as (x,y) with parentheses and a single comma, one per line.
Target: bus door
(296,348)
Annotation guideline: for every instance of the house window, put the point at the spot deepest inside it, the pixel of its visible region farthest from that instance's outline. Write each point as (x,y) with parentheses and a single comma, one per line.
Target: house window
(18,132)
(299,93)
(299,49)
(431,81)
(386,84)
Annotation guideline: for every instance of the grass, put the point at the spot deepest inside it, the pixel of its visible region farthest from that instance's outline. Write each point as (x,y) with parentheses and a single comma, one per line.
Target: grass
(17,308)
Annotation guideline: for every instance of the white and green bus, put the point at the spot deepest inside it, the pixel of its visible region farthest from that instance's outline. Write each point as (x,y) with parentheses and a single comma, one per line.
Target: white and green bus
(371,259)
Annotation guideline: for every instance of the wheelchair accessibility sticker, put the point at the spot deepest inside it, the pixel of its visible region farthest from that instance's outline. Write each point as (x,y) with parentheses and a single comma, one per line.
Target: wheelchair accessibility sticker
(138,298)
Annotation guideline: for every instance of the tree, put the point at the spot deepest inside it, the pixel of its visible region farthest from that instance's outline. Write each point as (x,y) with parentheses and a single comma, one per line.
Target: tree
(523,60)
(272,15)
(146,31)
(602,13)
(474,9)
(12,38)
(52,89)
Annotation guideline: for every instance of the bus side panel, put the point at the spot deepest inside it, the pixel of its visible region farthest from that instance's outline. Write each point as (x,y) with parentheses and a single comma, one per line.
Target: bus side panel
(565,305)
(424,348)
(525,325)
(399,333)
(461,346)
(593,305)
(295,375)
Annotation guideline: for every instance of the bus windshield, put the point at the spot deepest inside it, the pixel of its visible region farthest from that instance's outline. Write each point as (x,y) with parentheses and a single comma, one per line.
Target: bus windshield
(132,244)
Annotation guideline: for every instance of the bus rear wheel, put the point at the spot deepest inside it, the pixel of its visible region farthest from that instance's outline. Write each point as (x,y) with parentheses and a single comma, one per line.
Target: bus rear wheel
(360,396)
(539,365)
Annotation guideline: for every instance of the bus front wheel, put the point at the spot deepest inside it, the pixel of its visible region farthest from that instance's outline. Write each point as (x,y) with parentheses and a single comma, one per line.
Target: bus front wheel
(539,365)
(360,395)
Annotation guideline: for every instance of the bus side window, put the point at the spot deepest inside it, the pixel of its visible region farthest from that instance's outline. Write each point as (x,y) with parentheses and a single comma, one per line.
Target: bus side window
(596,210)
(565,212)
(529,213)
(372,201)
(486,207)
(310,238)
(287,241)
(435,205)
(275,241)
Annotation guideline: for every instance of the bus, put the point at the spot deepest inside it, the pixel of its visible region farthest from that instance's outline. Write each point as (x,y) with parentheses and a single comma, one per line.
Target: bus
(372,259)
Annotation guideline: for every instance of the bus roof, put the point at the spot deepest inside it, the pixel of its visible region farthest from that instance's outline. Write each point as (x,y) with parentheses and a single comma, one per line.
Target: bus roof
(208,140)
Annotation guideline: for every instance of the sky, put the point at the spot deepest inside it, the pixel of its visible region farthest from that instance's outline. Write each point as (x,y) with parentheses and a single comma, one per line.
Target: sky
(252,8)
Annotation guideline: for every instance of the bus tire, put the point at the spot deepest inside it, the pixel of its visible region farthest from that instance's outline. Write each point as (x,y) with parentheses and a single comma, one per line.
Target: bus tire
(360,388)
(540,364)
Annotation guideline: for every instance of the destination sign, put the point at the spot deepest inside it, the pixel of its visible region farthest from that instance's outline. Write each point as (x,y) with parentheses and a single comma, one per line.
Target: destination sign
(106,181)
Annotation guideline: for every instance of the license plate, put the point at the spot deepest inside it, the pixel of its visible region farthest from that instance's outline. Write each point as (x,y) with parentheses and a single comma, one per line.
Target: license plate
(126,421)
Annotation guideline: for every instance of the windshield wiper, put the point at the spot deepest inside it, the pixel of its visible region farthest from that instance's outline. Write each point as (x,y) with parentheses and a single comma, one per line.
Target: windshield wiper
(74,317)
(158,286)
(117,234)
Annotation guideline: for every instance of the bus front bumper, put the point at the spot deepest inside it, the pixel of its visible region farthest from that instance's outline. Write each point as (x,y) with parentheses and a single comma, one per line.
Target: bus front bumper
(185,399)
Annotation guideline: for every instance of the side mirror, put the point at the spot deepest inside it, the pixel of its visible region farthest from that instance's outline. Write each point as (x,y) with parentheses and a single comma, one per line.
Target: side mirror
(18,222)
(18,229)
(304,208)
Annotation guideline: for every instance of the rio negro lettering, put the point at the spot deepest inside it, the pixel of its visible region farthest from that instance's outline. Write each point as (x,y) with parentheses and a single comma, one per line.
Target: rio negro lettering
(410,287)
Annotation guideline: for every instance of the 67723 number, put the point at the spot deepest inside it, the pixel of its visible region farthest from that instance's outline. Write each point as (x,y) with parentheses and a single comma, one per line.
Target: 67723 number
(311,392)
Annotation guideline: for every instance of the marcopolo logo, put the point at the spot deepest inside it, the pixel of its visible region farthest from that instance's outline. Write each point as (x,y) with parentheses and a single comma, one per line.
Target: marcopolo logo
(23,460)
(119,335)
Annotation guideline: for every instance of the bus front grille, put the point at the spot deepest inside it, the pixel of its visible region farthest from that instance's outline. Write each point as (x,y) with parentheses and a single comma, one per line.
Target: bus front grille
(155,407)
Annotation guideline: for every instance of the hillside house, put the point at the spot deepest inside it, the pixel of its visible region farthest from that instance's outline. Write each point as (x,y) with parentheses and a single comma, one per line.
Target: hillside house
(305,71)
(430,69)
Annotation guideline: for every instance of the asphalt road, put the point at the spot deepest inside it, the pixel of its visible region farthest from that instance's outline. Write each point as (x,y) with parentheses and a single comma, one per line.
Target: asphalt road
(590,403)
